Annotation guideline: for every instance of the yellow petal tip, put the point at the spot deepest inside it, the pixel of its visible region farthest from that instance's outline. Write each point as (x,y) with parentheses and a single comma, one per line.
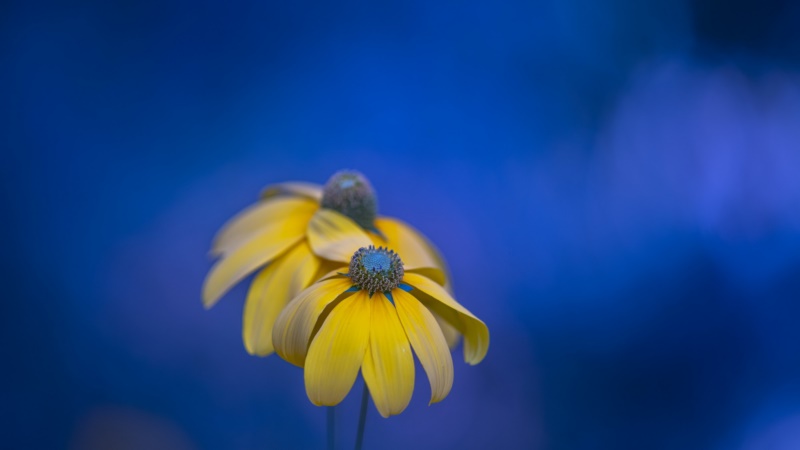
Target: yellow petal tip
(437,400)
(475,360)
(208,301)
(254,351)
(207,304)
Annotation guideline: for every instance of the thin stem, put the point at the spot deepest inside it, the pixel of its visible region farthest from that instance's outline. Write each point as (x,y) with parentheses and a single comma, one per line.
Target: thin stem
(331,425)
(362,417)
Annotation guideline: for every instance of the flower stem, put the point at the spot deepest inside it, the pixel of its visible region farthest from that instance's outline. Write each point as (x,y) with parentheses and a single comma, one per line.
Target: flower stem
(331,425)
(362,417)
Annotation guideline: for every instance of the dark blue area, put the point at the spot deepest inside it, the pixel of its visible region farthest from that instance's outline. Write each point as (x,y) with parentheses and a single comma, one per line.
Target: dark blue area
(614,185)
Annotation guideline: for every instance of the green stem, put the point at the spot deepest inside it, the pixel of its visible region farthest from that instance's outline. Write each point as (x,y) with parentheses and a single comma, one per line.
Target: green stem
(362,418)
(331,426)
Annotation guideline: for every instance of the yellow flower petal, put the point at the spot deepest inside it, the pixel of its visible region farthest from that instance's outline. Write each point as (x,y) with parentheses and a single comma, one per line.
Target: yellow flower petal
(433,273)
(295,324)
(252,253)
(335,236)
(437,299)
(451,334)
(257,218)
(271,290)
(295,188)
(399,231)
(428,342)
(406,242)
(388,367)
(337,351)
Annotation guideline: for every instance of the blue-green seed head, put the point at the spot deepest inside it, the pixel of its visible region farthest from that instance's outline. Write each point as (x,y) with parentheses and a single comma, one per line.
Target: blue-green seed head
(376,269)
(350,193)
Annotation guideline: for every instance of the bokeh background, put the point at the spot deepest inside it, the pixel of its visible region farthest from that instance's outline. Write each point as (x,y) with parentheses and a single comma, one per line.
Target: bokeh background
(616,186)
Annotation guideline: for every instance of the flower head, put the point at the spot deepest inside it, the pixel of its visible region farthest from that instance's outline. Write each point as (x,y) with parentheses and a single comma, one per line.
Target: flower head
(368,320)
(351,194)
(376,269)
(297,233)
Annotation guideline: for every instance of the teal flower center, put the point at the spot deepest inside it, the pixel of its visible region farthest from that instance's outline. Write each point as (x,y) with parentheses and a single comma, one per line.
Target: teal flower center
(350,193)
(376,262)
(376,269)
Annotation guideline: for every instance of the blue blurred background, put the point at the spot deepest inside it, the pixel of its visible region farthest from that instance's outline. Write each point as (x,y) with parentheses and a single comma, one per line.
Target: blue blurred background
(615,184)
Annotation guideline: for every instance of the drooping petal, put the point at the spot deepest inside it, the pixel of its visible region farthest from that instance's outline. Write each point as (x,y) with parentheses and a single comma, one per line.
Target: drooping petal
(292,332)
(258,218)
(256,251)
(271,290)
(428,342)
(337,351)
(294,188)
(435,297)
(399,231)
(388,367)
(335,236)
(451,334)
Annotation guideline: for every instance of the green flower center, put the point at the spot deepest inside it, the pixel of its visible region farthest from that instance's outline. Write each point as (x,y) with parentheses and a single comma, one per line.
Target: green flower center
(376,269)
(350,193)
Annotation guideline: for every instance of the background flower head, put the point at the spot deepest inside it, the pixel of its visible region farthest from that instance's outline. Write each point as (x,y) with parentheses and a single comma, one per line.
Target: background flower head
(297,233)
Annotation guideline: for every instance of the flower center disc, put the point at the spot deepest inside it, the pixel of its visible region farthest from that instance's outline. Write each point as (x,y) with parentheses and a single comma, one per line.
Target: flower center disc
(376,269)
(350,193)
(374,262)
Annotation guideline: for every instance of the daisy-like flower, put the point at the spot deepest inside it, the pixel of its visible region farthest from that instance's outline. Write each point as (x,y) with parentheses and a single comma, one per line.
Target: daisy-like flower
(368,317)
(299,232)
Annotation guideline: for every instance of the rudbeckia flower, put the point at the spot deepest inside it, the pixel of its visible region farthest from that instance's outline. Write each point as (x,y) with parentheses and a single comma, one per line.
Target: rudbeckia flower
(368,317)
(296,234)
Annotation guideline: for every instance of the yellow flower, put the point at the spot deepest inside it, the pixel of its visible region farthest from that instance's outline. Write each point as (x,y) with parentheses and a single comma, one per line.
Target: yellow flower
(297,233)
(369,319)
